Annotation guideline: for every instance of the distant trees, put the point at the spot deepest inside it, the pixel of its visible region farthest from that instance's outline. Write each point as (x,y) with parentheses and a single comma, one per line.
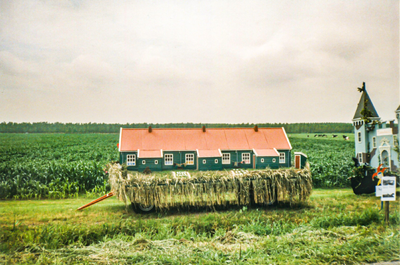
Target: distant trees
(45,127)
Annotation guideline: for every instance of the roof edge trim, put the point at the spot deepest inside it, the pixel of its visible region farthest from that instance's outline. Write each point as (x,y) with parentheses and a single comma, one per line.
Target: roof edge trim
(120,135)
(254,150)
(287,139)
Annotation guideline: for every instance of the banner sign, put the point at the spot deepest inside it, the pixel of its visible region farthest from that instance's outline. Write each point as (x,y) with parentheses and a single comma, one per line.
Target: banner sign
(388,189)
(378,191)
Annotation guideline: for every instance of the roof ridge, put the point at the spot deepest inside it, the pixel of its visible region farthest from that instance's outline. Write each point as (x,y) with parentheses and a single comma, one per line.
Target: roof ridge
(225,128)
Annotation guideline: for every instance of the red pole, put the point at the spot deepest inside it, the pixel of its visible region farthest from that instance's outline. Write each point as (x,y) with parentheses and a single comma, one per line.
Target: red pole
(97,200)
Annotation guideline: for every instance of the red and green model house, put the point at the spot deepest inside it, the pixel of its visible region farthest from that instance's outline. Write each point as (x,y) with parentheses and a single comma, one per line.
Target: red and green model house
(204,149)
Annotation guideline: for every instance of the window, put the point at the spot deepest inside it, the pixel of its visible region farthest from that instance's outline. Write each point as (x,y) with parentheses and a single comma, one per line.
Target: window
(216,161)
(360,157)
(359,137)
(273,160)
(189,159)
(282,158)
(262,160)
(143,162)
(156,162)
(204,161)
(374,142)
(131,160)
(226,158)
(246,158)
(169,159)
(385,158)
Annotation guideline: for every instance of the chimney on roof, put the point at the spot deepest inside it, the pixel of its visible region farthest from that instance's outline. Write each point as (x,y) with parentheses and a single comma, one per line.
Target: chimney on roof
(256,128)
(150,129)
(204,128)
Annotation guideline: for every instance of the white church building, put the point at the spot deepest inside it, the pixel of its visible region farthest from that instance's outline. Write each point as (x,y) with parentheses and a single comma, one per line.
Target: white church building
(376,141)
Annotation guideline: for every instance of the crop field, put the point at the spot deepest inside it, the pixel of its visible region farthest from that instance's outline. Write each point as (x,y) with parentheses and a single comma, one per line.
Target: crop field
(44,178)
(330,158)
(66,165)
(54,165)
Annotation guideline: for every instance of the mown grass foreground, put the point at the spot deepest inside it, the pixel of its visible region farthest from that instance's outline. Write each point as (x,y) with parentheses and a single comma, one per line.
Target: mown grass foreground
(333,227)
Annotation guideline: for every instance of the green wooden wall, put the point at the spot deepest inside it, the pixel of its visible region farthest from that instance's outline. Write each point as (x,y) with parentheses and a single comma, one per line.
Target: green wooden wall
(268,162)
(179,158)
(149,162)
(122,160)
(236,156)
(303,161)
(210,163)
(288,158)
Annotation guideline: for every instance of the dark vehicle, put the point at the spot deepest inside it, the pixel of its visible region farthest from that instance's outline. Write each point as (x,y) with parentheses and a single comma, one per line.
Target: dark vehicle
(362,182)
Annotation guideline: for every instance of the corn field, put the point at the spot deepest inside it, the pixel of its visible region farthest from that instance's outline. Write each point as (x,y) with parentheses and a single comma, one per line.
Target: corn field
(54,165)
(65,165)
(330,160)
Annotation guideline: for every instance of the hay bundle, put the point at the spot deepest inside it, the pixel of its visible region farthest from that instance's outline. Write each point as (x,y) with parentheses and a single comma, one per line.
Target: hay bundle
(209,188)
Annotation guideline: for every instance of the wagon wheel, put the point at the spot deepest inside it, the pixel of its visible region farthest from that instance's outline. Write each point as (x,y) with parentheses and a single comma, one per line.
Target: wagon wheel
(141,208)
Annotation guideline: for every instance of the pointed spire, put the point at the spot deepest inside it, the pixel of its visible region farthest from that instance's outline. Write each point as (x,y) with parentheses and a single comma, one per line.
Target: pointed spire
(365,108)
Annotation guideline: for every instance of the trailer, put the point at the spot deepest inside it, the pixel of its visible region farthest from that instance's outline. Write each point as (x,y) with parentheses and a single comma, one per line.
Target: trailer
(167,189)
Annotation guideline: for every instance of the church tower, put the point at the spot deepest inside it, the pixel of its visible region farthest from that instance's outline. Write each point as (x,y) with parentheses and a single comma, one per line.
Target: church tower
(363,123)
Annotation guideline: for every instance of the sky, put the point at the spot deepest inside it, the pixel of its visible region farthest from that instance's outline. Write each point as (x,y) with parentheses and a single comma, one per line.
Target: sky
(197,61)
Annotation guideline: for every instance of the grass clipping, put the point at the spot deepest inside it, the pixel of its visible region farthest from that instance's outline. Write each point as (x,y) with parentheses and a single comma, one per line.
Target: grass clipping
(210,188)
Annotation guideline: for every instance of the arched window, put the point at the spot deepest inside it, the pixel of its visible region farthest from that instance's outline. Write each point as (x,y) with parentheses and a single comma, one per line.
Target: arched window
(385,158)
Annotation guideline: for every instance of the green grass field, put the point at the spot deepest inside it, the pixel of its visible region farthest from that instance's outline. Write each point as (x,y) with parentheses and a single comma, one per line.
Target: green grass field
(333,227)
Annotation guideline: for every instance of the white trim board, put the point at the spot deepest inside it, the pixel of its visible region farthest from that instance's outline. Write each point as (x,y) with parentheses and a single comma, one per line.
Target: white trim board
(387,131)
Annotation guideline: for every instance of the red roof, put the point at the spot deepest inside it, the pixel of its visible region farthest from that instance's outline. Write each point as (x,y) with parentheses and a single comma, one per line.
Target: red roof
(150,154)
(196,139)
(209,153)
(266,152)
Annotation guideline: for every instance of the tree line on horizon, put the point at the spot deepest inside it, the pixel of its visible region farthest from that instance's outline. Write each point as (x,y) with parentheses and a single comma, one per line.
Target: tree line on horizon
(57,127)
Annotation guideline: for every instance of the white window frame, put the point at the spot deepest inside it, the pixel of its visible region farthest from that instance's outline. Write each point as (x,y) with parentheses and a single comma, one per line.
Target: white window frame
(226,158)
(131,160)
(189,159)
(143,162)
(204,161)
(262,160)
(273,160)
(216,161)
(374,142)
(156,162)
(360,157)
(169,159)
(246,161)
(282,158)
(359,137)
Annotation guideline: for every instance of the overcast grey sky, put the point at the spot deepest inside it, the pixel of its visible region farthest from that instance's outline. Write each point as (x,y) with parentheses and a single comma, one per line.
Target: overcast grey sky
(196,61)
